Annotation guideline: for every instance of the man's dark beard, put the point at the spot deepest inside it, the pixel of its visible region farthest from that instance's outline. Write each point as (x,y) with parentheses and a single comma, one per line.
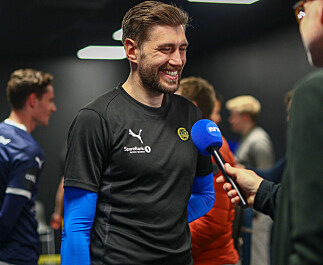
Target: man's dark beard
(150,80)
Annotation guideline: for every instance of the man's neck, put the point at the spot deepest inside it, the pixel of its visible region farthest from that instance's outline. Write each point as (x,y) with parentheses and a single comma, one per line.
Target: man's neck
(134,87)
(247,129)
(20,117)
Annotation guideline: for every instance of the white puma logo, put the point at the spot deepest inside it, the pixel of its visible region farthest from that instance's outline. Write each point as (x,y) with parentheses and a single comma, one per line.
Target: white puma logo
(4,140)
(136,135)
(40,162)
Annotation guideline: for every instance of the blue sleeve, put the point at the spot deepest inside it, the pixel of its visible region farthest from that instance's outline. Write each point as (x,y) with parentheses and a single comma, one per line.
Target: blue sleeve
(8,216)
(202,197)
(275,173)
(79,212)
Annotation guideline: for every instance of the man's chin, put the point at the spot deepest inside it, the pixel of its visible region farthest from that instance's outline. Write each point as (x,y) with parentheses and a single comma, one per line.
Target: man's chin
(171,88)
(316,61)
(43,124)
(314,53)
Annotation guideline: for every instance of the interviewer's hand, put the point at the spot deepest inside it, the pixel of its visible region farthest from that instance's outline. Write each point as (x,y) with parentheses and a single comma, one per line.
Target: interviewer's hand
(248,181)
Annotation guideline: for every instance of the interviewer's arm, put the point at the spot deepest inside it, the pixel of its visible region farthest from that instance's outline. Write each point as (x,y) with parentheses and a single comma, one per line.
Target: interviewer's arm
(267,198)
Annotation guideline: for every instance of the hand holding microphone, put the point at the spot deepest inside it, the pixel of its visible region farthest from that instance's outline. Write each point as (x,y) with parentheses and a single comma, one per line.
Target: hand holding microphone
(248,180)
(207,138)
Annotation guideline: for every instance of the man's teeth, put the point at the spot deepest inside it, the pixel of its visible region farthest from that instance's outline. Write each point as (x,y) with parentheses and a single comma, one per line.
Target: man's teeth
(171,73)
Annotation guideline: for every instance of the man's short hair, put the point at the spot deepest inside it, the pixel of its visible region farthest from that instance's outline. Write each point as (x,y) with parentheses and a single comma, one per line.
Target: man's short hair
(141,17)
(24,82)
(245,104)
(201,91)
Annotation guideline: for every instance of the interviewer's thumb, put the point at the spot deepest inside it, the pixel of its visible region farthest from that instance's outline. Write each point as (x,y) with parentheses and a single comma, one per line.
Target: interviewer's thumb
(228,168)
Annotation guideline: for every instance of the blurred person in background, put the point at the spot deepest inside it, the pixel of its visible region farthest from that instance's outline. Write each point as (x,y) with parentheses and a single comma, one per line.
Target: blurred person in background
(212,238)
(56,219)
(31,97)
(255,150)
(276,172)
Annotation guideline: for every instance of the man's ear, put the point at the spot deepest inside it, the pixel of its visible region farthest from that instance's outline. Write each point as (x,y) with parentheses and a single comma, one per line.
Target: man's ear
(131,50)
(245,116)
(32,100)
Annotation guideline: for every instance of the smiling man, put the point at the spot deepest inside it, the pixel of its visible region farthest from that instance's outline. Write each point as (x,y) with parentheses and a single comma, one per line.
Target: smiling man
(31,96)
(137,179)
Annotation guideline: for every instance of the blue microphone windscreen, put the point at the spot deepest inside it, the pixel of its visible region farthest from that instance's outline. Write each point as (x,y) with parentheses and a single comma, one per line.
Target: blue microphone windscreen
(206,133)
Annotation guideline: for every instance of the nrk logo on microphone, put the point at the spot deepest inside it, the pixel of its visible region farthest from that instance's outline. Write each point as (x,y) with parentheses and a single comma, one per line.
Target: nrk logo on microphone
(213,129)
(206,133)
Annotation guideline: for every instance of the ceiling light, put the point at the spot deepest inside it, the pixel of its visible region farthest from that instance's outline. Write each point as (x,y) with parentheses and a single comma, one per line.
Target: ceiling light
(102,53)
(226,1)
(117,35)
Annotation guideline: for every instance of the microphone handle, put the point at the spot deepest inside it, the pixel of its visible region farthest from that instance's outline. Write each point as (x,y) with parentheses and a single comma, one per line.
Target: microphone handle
(220,162)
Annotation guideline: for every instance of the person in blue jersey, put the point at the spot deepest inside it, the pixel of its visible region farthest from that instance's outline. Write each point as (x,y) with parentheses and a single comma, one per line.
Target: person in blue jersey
(31,96)
(296,202)
(133,178)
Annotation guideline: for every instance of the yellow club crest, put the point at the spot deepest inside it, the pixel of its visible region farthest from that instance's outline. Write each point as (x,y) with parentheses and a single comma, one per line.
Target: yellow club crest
(183,134)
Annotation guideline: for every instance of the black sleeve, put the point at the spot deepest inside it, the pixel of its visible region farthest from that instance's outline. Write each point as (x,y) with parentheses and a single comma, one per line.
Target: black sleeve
(267,198)
(305,168)
(86,151)
(204,165)
(273,174)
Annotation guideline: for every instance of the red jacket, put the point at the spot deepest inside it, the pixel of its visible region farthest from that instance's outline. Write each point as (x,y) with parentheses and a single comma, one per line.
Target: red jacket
(212,233)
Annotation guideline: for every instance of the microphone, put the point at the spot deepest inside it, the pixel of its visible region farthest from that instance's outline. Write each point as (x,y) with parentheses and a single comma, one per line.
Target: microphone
(207,138)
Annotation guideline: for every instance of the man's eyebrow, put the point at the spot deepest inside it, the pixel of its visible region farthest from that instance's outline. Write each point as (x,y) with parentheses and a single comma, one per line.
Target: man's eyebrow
(172,45)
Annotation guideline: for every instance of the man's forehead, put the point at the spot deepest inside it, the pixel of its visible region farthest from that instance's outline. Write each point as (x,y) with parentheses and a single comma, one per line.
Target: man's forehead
(165,33)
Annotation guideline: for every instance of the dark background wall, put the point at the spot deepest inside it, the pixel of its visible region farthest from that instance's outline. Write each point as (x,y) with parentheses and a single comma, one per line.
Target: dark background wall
(265,67)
